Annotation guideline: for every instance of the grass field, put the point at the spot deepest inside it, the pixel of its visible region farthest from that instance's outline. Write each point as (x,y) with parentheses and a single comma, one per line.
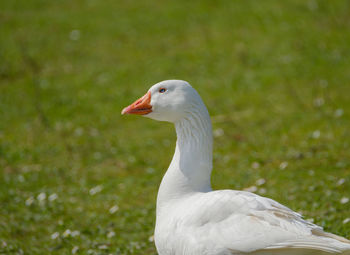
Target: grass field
(77,177)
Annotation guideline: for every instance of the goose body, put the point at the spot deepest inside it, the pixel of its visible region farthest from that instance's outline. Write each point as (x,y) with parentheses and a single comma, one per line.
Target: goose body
(192,219)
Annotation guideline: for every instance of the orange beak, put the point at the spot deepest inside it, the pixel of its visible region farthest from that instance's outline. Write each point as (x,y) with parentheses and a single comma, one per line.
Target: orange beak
(141,106)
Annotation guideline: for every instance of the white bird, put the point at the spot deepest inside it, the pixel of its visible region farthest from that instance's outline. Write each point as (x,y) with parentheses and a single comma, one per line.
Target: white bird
(192,219)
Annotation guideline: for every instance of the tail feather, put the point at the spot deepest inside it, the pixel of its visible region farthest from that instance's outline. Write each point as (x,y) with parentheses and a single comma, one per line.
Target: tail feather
(318,232)
(319,243)
(295,251)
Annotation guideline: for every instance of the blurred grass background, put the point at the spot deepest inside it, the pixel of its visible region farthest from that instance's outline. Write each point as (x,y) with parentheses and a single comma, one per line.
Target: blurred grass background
(76,177)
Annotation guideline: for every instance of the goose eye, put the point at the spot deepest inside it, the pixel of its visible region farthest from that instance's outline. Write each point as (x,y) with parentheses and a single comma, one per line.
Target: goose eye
(162,90)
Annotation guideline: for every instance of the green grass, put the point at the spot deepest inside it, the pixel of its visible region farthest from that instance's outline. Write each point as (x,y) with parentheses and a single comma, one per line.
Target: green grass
(274,75)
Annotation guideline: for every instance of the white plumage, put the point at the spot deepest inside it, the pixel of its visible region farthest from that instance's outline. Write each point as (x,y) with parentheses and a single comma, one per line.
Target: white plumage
(194,220)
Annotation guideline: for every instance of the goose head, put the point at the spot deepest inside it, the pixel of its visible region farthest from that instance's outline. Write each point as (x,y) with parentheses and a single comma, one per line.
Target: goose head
(169,100)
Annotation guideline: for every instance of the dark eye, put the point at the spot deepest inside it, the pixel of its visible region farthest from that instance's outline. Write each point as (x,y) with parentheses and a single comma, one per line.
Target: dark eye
(162,90)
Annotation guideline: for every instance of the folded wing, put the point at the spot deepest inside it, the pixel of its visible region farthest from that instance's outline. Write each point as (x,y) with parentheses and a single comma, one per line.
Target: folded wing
(244,222)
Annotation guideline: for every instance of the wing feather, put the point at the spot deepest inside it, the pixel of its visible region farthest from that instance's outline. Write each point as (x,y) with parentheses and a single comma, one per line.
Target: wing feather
(245,222)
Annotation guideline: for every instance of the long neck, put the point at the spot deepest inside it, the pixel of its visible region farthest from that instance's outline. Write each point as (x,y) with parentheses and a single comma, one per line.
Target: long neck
(191,166)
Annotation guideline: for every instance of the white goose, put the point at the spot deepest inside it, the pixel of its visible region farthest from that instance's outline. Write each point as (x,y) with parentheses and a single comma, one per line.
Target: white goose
(192,219)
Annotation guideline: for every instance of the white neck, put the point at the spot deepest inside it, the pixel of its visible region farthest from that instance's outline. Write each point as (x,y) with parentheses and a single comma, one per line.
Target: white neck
(191,166)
